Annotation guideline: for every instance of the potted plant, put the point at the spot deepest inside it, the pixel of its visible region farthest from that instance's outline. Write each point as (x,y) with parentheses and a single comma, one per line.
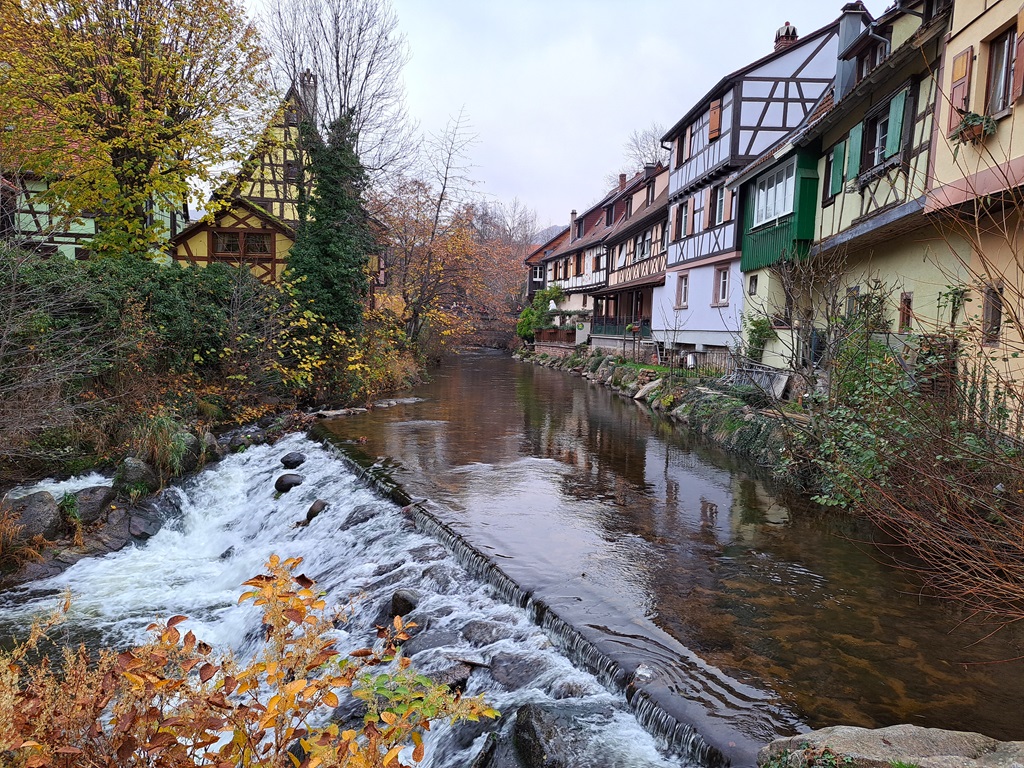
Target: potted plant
(973,127)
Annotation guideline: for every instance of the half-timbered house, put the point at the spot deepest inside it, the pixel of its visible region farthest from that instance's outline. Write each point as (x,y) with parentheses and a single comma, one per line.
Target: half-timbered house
(637,250)
(699,306)
(536,275)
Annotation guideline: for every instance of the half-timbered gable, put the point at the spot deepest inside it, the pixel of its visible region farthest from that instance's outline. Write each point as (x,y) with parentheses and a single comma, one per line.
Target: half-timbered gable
(240,234)
(274,176)
(747,112)
(536,276)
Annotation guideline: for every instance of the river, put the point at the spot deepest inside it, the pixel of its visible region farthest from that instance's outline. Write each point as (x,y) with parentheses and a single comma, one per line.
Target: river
(737,609)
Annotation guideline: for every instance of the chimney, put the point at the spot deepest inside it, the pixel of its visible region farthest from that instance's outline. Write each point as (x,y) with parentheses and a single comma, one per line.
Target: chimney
(786,36)
(852,22)
(649,169)
(572,225)
(622,181)
(307,90)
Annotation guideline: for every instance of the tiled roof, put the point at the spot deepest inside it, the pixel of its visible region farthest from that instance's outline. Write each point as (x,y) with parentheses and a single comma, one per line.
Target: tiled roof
(537,255)
(658,209)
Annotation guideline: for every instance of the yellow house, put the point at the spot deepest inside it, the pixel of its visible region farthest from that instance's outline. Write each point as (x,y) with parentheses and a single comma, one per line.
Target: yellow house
(255,216)
(978,172)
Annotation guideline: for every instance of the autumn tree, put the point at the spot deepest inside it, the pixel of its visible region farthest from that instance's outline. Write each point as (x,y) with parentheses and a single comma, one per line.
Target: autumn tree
(128,105)
(328,265)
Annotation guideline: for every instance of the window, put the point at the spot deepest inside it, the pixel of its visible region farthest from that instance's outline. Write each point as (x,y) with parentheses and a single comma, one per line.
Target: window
(1000,71)
(579,263)
(596,260)
(880,136)
(629,207)
(538,273)
(906,311)
(992,314)
(678,226)
(696,224)
(835,167)
(237,245)
(650,193)
(852,301)
(609,214)
(579,227)
(663,240)
(717,214)
(291,115)
(871,58)
(721,287)
(683,290)
(641,247)
(292,170)
(773,196)
(752,285)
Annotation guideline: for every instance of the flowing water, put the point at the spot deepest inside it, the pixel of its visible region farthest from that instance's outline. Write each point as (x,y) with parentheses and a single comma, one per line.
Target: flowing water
(572,530)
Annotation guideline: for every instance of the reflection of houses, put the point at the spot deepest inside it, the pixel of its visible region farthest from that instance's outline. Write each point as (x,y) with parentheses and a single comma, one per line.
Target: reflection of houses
(699,306)
(636,248)
(254,217)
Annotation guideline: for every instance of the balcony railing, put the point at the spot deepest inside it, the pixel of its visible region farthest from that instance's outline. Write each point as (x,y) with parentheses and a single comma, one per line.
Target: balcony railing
(556,336)
(622,327)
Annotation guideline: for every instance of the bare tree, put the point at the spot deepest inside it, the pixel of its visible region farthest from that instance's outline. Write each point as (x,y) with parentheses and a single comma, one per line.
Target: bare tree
(357,52)
(643,147)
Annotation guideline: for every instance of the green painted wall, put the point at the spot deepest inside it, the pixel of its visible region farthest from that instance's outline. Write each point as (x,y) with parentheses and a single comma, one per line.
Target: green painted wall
(789,234)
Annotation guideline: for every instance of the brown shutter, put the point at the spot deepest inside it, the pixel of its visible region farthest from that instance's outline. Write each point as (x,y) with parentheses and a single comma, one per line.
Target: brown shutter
(709,222)
(689,217)
(959,89)
(686,143)
(715,120)
(727,207)
(1018,64)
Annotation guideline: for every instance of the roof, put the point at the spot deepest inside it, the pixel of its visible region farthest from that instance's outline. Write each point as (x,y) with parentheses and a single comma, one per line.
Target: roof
(658,209)
(723,85)
(235,202)
(537,254)
(905,54)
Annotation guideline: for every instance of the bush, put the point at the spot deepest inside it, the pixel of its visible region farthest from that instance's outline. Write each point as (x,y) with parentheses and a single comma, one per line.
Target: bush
(173,702)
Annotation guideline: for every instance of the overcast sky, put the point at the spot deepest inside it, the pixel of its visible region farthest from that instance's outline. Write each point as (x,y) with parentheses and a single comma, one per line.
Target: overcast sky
(553,88)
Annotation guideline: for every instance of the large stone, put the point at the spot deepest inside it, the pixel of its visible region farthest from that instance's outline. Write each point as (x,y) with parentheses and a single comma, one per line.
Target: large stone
(480,632)
(513,670)
(646,389)
(293,460)
(287,481)
(142,527)
(192,455)
(37,514)
(315,509)
(882,747)
(404,602)
(212,449)
(135,475)
(93,503)
(539,739)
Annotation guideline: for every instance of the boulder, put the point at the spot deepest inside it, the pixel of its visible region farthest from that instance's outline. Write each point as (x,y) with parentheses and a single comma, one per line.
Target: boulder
(135,475)
(287,481)
(315,509)
(883,747)
(513,670)
(212,449)
(646,389)
(455,677)
(293,460)
(92,503)
(142,527)
(480,632)
(37,514)
(539,739)
(360,515)
(404,602)
(192,455)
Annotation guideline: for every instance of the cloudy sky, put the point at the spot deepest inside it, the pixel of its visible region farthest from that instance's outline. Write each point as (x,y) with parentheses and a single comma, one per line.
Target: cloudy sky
(553,88)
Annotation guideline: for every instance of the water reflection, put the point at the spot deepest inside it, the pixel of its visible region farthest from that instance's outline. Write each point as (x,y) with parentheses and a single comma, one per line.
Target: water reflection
(769,614)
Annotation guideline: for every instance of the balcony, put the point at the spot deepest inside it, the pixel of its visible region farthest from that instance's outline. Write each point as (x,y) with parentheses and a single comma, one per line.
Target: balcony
(617,326)
(555,336)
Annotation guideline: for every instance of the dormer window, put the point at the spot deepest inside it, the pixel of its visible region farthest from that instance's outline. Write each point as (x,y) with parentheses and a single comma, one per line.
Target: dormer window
(579,227)
(872,57)
(609,215)
(650,193)
(629,207)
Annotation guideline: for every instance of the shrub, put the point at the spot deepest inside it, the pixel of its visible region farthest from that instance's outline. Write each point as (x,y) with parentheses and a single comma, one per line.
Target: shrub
(173,702)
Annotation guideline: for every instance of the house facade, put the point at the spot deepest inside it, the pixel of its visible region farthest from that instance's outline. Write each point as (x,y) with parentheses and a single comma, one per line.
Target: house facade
(536,270)
(699,307)
(637,250)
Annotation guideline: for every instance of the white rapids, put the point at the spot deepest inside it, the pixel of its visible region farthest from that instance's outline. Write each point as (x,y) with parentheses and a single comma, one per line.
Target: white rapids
(222,525)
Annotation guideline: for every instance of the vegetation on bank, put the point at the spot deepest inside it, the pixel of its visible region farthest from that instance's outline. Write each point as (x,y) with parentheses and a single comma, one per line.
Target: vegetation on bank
(177,702)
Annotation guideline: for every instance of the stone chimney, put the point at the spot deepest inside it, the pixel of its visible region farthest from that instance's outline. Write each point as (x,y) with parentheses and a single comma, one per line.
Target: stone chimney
(572,225)
(307,89)
(649,169)
(622,181)
(853,21)
(786,36)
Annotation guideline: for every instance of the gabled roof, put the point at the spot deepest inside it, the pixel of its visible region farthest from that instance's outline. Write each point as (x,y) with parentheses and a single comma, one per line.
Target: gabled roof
(229,203)
(537,254)
(905,54)
(729,80)
(658,209)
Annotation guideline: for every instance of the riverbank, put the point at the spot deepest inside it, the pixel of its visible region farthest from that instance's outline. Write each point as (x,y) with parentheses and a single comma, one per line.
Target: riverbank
(736,418)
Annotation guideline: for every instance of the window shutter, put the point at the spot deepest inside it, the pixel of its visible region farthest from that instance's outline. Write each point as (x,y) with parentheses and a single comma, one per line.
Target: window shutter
(894,139)
(689,216)
(838,166)
(727,207)
(1018,65)
(686,143)
(715,120)
(854,151)
(960,86)
(709,219)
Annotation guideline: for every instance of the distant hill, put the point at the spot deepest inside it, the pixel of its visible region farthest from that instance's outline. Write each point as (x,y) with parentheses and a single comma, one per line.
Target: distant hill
(546,234)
